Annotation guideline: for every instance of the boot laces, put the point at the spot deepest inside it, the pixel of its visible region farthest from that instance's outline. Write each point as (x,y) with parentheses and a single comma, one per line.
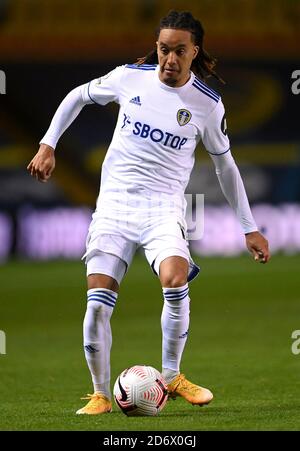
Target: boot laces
(184,384)
(93,398)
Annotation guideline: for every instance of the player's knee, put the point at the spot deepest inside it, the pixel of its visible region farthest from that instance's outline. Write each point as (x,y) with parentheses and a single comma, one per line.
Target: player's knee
(173,280)
(102,281)
(173,272)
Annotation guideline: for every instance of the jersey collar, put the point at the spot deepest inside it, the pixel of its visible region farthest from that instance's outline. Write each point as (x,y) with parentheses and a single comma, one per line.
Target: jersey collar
(169,88)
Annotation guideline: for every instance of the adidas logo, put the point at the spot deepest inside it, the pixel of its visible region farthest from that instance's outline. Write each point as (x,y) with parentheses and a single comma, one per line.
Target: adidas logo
(136,100)
(91,349)
(184,335)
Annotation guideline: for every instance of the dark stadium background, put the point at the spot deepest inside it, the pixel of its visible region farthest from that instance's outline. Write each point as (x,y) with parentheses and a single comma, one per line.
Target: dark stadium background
(46,49)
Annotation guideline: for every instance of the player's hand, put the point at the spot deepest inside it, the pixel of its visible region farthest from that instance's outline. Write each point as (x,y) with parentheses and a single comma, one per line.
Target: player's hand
(258,246)
(43,163)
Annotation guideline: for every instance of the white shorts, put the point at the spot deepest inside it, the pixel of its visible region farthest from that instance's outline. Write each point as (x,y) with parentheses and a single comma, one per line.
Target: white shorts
(108,264)
(122,234)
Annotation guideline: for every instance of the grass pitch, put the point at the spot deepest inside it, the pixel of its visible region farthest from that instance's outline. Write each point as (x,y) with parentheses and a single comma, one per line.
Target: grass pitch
(242,318)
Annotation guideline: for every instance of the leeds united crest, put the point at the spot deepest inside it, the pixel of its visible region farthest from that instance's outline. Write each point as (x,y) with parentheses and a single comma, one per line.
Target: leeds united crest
(183,116)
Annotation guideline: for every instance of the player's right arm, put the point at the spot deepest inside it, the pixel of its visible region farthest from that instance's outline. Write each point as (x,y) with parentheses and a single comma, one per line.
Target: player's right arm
(100,91)
(43,163)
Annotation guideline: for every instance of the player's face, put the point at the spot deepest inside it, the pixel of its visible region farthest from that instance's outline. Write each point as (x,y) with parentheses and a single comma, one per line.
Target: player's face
(176,51)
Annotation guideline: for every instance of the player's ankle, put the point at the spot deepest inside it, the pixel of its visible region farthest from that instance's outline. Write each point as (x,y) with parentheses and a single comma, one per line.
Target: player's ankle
(103,389)
(169,375)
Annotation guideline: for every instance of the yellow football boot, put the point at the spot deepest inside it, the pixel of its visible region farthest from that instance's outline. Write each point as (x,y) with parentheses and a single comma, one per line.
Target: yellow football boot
(97,404)
(194,394)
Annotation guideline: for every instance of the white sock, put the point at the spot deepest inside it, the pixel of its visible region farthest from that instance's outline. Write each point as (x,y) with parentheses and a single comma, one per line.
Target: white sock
(175,320)
(169,375)
(97,337)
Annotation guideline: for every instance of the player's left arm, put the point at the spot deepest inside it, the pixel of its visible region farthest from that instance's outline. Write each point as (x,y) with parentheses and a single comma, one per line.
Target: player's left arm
(259,247)
(233,189)
(217,144)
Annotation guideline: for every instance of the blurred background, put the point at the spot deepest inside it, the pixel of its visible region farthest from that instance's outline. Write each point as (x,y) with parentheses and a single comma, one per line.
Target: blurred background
(49,47)
(243,314)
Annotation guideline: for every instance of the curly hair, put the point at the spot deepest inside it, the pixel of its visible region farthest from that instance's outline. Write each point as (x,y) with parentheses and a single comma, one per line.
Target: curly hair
(204,64)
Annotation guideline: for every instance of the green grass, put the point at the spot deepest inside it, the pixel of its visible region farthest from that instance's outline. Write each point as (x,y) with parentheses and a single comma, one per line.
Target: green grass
(242,318)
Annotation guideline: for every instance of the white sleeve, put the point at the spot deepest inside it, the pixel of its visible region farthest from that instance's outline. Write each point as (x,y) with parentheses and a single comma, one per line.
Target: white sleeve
(104,89)
(233,189)
(67,111)
(214,135)
(101,90)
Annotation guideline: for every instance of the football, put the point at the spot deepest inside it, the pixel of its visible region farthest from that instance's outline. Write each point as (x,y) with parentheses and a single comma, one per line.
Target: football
(140,391)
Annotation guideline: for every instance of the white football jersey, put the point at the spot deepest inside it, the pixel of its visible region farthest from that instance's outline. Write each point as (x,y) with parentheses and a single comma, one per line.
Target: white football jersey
(158,129)
(151,154)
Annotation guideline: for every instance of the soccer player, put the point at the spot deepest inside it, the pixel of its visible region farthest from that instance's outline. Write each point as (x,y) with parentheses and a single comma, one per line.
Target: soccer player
(166,108)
